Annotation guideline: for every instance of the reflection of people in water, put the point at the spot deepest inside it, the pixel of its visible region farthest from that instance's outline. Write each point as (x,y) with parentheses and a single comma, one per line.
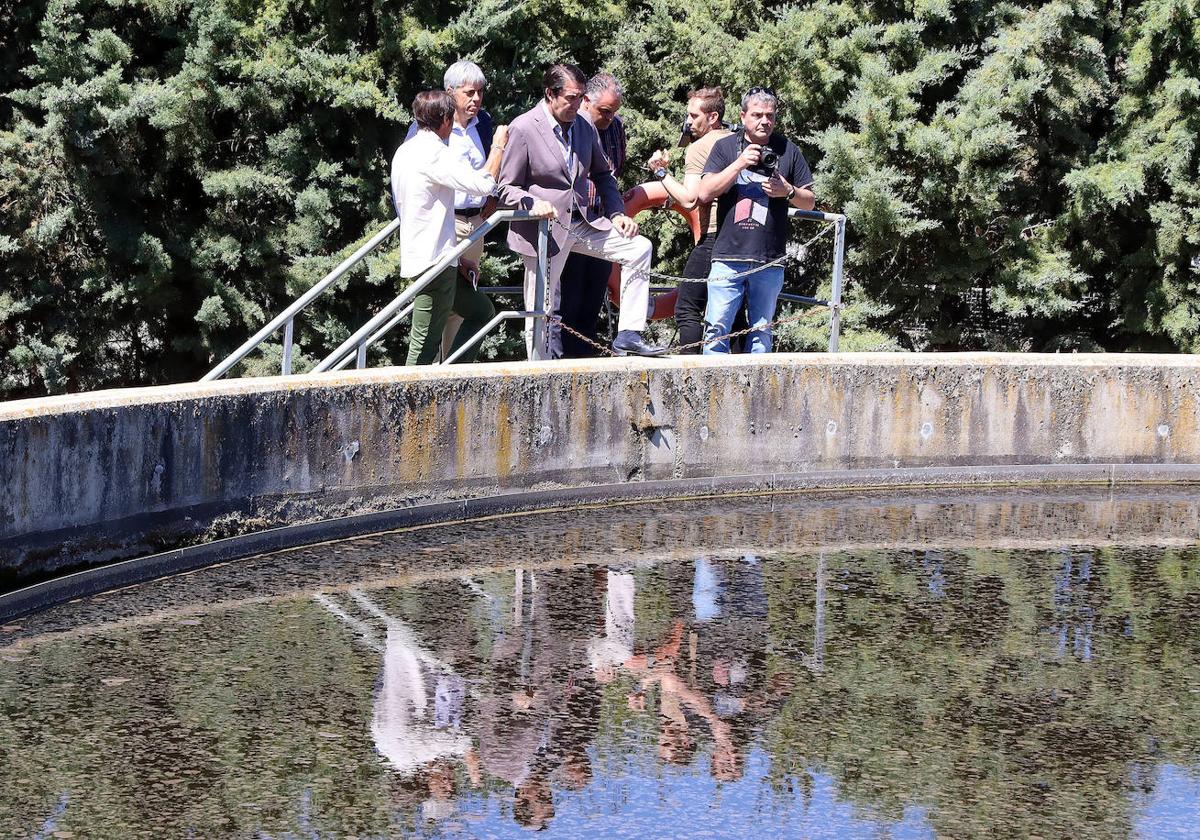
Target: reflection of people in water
(418,710)
(726,602)
(729,604)
(527,711)
(541,709)
(417,720)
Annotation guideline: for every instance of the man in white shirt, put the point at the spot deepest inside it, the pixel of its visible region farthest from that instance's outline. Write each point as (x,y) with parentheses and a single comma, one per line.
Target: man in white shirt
(479,142)
(425,176)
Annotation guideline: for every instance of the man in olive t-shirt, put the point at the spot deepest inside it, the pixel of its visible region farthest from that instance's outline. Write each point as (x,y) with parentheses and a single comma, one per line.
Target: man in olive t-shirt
(705,112)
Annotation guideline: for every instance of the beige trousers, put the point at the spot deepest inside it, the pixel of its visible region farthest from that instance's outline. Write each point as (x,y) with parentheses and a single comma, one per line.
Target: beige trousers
(634,255)
(462,229)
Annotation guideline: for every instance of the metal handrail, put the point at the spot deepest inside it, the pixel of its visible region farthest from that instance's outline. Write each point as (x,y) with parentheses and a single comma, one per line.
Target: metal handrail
(284,318)
(391,315)
(838,220)
(387,317)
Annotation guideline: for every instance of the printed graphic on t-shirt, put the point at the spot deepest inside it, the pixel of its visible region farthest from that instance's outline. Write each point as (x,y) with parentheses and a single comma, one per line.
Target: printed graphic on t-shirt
(751,208)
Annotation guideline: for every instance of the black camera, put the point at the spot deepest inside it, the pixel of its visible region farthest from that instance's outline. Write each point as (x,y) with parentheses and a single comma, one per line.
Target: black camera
(685,132)
(768,159)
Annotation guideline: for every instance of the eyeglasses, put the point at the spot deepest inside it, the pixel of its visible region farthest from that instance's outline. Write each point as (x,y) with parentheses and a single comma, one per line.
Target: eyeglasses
(755,91)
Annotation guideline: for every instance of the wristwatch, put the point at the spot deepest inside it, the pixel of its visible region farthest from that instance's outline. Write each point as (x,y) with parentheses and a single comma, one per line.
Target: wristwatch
(791,193)
(660,173)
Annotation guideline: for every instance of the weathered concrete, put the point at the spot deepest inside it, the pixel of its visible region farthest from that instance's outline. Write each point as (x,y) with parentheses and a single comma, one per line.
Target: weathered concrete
(97,476)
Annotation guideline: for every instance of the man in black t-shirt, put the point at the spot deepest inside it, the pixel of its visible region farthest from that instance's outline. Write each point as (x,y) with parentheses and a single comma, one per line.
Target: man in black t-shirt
(753,199)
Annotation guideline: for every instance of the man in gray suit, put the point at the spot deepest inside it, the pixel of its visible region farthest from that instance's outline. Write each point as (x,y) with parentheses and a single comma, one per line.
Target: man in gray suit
(551,155)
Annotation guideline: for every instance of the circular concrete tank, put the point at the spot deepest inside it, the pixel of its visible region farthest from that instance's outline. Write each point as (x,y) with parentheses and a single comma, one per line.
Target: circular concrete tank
(250,465)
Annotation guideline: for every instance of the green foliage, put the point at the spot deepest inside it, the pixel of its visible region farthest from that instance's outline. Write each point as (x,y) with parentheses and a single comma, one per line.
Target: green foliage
(1018,175)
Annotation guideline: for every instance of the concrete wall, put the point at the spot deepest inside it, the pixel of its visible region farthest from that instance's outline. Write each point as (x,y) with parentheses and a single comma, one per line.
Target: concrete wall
(96,476)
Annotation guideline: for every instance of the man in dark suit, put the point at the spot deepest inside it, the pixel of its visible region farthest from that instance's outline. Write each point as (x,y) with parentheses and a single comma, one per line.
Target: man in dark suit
(551,154)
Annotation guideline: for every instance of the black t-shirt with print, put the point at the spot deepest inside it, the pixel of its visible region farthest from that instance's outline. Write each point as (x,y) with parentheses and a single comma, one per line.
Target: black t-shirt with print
(752,226)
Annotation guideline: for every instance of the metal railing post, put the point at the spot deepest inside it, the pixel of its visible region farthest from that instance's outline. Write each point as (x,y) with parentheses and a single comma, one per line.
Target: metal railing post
(835,298)
(384,330)
(486,328)
(540,293)
(285,369)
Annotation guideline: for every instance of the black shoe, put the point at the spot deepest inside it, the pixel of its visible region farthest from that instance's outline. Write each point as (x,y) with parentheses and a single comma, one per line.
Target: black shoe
(629,342)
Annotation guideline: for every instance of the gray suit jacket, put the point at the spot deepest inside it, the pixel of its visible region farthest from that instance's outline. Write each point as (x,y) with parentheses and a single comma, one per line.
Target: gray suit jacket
(534,168)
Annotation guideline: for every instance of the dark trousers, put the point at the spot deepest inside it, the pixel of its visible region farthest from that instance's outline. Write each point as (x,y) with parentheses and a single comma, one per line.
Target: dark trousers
(584,281)
(692,300)
(449,292)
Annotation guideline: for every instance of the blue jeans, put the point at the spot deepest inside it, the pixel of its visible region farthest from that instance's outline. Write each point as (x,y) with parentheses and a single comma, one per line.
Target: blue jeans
(761,291)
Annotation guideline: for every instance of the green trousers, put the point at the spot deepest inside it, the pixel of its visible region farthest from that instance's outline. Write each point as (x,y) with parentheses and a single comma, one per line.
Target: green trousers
(449,292)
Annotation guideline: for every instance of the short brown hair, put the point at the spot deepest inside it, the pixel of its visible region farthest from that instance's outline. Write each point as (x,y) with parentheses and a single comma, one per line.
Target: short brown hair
(557,76)
(432,108)
(712,100)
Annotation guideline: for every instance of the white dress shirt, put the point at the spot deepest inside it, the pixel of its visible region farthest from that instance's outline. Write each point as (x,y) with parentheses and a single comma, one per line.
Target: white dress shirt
(425,174)
(563,137)
(405,730)
(467,145)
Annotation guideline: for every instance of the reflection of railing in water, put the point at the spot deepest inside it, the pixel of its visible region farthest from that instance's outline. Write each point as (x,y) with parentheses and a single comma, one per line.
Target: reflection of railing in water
(355,347)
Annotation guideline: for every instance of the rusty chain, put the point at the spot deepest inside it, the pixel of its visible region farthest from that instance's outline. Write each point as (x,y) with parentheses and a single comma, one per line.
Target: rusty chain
(607,350)
(659,275)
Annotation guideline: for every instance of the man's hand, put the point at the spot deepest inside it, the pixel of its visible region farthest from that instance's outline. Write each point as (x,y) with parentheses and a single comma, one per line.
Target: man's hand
(542,209)
(469,269)
(750,156)
(658,160)
(500,137)
(625,226)
(776,187)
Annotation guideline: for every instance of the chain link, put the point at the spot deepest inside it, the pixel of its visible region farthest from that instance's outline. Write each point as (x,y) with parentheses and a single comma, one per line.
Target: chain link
(679,348)
(658,275)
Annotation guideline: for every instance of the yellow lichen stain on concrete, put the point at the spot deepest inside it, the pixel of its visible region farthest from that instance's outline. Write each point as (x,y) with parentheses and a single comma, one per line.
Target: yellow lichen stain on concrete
(503,440)
(902,425)
(830,417)
(410,446)
(1114,423)
(580,418)
(418,442)
(460,440)
(1184,427)
(774,391)
(432,431)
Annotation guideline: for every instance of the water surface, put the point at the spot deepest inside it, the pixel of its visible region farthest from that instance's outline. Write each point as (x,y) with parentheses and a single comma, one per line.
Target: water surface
(999,664)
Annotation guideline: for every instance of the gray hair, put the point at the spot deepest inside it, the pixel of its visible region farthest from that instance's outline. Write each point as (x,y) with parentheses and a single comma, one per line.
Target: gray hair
(760,94)
(463,73)
(602,82)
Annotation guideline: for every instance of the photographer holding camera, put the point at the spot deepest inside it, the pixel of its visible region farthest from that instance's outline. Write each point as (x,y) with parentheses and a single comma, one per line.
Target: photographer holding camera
(755,176)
